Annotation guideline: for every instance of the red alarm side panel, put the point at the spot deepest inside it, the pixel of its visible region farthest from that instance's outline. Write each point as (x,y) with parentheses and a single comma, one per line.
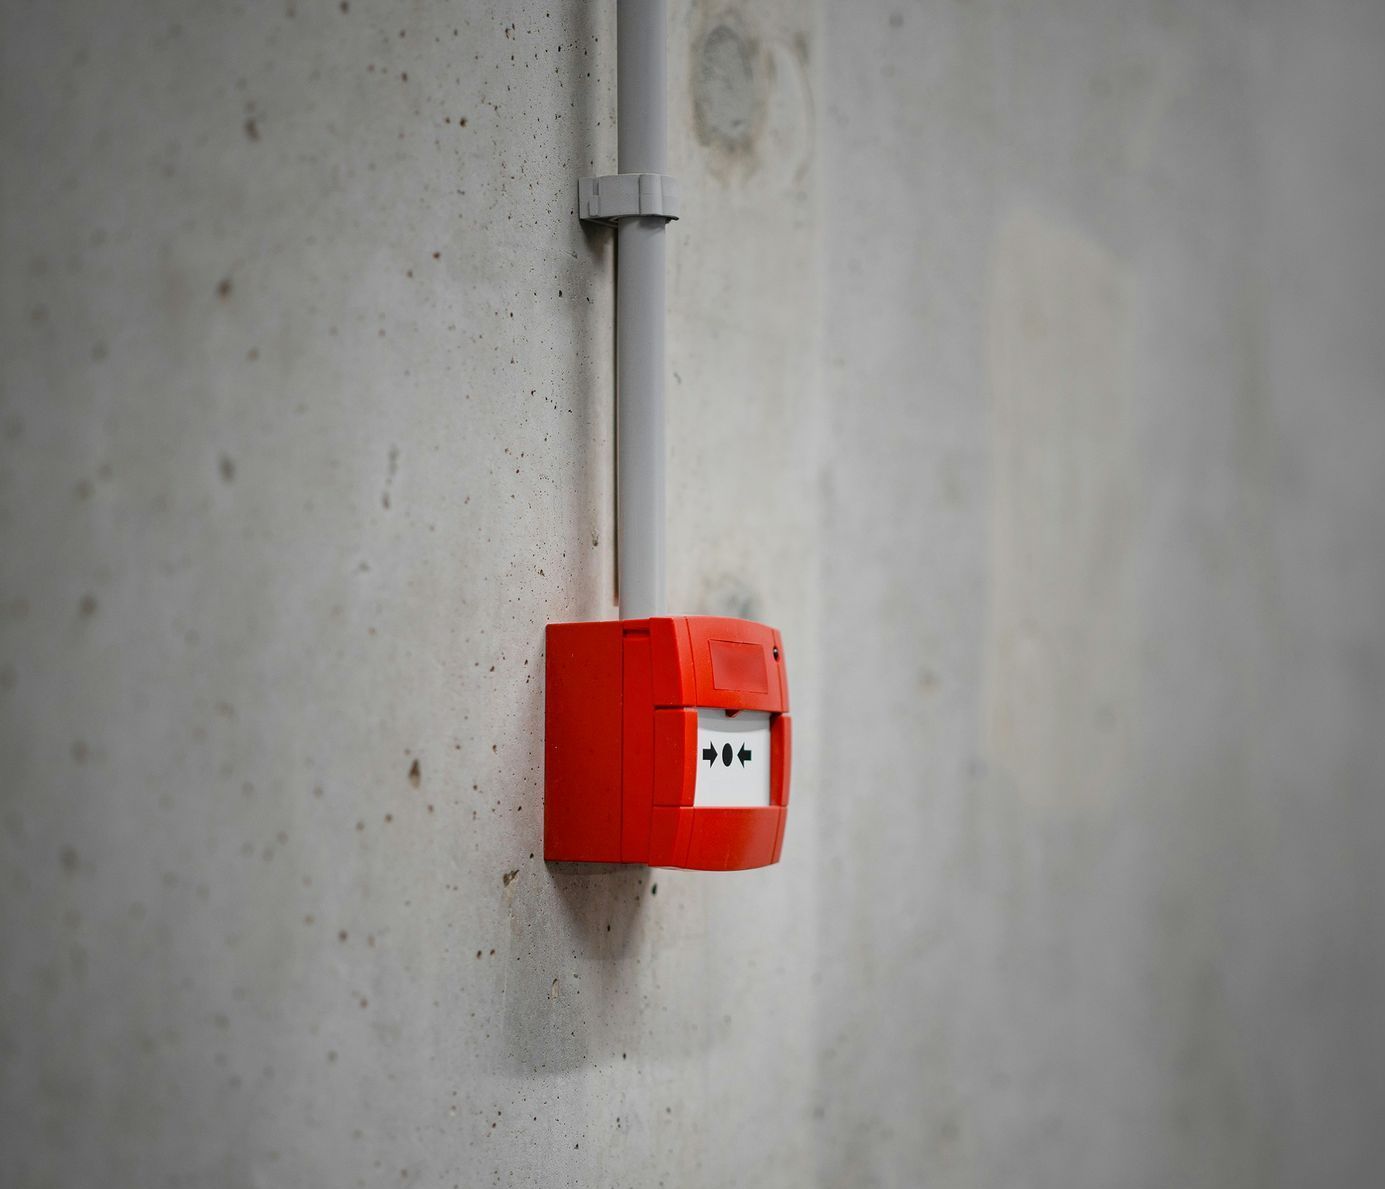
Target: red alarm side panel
(636,745)
(582,730)
(781,760)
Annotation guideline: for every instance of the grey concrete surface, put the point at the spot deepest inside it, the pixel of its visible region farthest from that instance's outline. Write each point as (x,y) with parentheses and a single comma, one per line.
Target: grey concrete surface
(1107,382)
(1027,370)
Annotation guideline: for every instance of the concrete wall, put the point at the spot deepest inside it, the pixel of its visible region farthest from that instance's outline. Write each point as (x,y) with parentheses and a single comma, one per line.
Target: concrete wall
(1104,852)
(1027,371)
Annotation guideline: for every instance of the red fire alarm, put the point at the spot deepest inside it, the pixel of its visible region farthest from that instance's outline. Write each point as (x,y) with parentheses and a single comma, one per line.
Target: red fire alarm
(668,743)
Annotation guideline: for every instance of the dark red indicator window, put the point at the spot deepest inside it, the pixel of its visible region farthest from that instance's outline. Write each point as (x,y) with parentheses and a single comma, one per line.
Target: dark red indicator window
(738,665)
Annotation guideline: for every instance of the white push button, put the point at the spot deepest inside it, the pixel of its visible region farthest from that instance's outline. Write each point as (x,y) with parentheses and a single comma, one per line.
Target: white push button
(732,758)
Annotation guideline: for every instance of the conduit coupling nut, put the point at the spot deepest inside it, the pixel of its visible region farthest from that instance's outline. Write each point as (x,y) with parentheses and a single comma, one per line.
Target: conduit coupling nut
(627,195)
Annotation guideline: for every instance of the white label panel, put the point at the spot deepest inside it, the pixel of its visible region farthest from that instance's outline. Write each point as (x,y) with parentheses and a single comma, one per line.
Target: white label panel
(732,758)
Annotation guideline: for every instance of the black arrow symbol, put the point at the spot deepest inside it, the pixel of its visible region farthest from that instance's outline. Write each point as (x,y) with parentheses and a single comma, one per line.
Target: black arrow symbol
(743,754)
(709,753)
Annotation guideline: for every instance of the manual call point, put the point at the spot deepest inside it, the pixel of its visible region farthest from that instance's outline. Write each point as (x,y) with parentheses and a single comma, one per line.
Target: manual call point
(667,743)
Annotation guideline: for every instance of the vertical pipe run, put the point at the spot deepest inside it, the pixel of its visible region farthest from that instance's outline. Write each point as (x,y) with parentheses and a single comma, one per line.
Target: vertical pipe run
(640,486)
(640,453)
(641,82)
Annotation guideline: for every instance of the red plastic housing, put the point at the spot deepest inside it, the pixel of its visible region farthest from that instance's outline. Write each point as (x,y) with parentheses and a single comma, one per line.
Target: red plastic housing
(620,752)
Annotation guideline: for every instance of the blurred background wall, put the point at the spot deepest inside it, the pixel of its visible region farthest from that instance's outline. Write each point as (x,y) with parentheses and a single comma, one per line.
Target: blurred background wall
(1027,369)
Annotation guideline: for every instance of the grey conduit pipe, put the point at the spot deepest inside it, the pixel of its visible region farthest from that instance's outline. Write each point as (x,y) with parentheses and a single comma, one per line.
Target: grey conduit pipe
(641,104)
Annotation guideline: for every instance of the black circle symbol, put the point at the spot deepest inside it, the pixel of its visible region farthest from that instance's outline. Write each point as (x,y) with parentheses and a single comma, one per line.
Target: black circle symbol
(726,754)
